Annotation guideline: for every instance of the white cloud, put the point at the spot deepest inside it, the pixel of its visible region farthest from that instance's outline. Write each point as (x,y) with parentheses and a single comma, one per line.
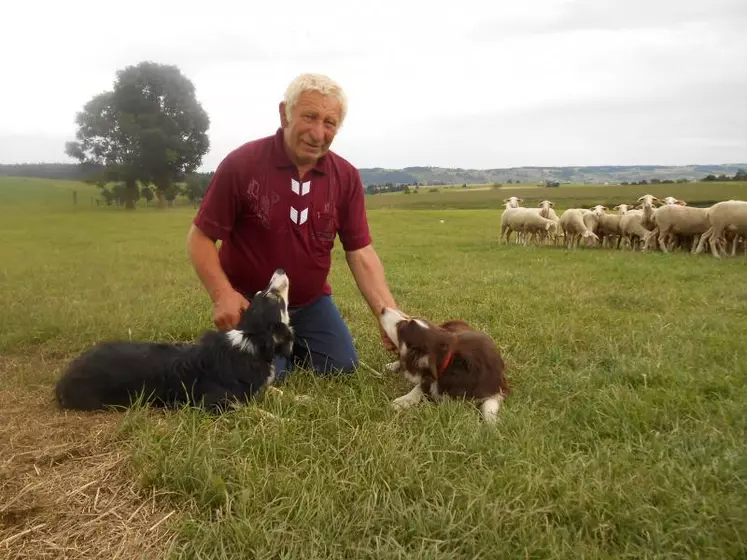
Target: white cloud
(466,84)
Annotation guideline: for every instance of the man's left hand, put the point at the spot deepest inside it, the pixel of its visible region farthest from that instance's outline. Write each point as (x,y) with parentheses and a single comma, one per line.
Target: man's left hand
(386,341)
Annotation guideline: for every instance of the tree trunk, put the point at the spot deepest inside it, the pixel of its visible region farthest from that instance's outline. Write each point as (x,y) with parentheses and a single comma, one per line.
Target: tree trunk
(161,199)
(130,195)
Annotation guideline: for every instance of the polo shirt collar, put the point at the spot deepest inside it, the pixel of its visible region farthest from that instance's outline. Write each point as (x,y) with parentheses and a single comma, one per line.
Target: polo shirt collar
(281,159)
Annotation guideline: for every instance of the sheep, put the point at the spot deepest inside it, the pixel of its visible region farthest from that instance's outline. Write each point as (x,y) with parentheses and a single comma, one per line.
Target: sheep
(726,216)
(660,224)
(529,222)
(623,208)
(546,211)
(526,222)
(719,243)
(574,228)
(513,202)
(675,240)
(591,221)
(648,202)
(632,230)
(655,236)
(609,225)
(510,206)
(631,226)
(670,200)
(740,241)
(671,220)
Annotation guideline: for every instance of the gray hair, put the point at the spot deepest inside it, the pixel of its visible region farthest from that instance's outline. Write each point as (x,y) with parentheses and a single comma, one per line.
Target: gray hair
(314,82)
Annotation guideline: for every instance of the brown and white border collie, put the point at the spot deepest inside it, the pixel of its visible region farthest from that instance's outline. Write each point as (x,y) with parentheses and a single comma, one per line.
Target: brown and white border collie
(447,360)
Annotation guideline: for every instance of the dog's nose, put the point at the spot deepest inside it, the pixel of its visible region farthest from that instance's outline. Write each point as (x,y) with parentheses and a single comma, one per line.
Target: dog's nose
(279,271)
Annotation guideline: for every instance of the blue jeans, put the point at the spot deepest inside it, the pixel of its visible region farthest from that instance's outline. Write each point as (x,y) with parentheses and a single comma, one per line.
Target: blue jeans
(323,342)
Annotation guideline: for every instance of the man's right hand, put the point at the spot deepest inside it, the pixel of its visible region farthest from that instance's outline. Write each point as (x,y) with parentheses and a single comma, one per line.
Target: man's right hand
(227,310)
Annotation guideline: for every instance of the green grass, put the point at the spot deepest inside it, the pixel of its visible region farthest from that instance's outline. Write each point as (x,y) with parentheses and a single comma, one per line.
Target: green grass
(624,435)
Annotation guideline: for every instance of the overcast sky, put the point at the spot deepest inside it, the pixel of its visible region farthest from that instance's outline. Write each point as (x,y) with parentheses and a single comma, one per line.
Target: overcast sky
(454,83)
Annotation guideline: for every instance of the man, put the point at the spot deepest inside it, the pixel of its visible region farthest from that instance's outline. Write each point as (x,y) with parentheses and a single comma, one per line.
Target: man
(278,202)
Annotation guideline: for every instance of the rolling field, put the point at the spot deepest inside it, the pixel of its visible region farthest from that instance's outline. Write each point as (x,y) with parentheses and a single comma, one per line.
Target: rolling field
(435,198)
(624,436)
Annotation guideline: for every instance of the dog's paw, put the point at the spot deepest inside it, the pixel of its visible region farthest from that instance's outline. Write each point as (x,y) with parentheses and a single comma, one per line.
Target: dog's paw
(489,409)
(405,401)
(392,367)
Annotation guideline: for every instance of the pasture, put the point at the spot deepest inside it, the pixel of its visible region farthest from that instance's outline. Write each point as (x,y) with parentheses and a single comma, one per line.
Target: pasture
(482,198)
(624,436)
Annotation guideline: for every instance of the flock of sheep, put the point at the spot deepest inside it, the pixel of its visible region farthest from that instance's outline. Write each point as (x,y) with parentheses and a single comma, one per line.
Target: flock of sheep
(650,224)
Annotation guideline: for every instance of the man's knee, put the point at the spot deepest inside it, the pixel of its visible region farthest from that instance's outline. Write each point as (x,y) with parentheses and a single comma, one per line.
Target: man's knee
(324,343)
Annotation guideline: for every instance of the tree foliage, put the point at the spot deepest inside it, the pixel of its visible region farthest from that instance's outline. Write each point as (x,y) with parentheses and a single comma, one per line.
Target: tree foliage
(196,185)
(149,128)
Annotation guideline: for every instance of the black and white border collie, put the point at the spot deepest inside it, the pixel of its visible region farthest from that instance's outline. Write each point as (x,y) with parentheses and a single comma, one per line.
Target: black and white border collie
(220,369)
(447,360)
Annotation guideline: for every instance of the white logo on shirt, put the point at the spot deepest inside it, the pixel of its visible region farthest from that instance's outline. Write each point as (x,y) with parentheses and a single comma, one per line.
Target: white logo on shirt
(297,218)
(301,189)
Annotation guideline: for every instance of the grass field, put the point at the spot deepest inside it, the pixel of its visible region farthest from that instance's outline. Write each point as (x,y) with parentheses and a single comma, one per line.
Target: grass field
(696,194)
(624,436)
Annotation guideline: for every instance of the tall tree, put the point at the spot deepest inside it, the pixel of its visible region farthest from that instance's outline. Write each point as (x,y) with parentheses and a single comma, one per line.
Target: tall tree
(149,128)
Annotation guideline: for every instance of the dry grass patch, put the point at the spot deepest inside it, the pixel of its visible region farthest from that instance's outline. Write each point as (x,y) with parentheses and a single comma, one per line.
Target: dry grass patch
(66,485)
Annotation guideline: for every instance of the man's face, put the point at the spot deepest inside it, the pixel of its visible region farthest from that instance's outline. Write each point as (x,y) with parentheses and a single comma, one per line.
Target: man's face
(313,125)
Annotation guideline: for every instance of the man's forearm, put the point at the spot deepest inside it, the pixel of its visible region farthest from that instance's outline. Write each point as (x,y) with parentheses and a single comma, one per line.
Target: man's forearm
(370,278)
(204,257)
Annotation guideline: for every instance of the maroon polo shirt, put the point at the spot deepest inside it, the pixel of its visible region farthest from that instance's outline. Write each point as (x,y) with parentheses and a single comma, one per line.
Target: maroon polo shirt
(267,218)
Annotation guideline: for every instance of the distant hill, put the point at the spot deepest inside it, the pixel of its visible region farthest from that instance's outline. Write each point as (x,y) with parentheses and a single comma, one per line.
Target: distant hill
(457,176)
(535,175)
(68,171)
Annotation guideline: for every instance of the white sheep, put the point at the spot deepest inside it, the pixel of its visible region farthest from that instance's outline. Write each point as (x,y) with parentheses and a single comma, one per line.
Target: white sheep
(726,216)
(513,201)
(547,211)
(623,208)
(608,225)
(648,204)
(528,227)
(529,223)
(510,206)
(631,226)
(574,228)
(672,220)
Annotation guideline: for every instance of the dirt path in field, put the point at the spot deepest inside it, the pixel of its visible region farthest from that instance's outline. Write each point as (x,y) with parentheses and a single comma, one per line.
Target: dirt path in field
(66,490)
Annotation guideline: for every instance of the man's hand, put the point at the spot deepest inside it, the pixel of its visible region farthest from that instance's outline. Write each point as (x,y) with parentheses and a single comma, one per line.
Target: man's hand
(386,341)
(227,302)
(227,310)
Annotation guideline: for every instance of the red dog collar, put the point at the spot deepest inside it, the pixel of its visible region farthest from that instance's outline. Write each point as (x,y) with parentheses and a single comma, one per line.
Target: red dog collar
(446,362)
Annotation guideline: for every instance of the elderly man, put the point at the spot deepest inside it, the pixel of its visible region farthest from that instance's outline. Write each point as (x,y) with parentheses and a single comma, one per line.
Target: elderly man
(279,202)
